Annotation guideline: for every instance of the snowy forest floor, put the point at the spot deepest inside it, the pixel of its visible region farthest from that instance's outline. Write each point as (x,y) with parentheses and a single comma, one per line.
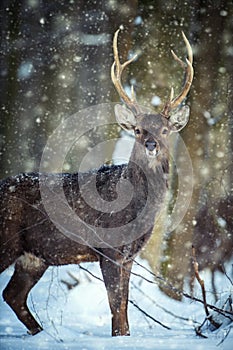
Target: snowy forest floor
(80,318)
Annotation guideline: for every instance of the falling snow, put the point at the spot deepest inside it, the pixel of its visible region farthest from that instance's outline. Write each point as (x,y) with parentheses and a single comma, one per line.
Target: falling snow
(56,59)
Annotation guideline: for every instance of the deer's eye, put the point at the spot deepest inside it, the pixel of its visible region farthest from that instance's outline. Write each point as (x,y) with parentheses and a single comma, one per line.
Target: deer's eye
(165,131)
(137,131)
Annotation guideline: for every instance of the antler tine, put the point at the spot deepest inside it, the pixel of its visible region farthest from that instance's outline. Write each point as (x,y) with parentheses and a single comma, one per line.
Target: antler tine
(188,68)
(116,72)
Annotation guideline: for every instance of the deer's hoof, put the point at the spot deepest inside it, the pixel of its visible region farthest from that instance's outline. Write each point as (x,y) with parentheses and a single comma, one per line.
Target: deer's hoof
(35,331)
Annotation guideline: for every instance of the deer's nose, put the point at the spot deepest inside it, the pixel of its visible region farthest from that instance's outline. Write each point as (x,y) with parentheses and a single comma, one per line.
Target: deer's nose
(150,145)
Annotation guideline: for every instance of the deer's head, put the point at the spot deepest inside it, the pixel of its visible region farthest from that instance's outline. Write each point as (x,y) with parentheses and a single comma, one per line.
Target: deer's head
(152,130)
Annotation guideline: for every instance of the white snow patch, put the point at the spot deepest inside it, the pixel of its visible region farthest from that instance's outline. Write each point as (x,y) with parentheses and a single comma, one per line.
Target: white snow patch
(81,319)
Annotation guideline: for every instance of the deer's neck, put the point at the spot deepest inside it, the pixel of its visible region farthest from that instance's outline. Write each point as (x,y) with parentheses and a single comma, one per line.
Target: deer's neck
(153,170)
(150,185)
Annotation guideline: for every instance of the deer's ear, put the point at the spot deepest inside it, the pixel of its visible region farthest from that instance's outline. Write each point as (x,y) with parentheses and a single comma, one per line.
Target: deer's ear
(179,119)
(125,117)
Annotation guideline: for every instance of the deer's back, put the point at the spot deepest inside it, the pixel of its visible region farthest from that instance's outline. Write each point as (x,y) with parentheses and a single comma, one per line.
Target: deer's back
(24,218)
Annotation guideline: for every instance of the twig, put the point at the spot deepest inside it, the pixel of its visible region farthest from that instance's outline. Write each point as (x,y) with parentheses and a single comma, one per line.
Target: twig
(90,273)
(149,316)
(202,284)
(71,285)
(227,276)
(226,335)
(161,307)
(200,281)
(199,333)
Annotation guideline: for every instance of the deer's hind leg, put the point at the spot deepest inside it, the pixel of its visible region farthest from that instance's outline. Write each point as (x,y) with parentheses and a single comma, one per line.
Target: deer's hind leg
(28,270)
(10,244)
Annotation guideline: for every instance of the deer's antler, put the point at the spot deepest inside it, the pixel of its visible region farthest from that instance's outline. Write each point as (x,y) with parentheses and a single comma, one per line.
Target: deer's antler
(116,72)
(188,68)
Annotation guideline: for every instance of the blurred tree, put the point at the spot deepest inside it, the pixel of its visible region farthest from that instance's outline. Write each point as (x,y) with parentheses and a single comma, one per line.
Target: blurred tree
(209,27)
(56,59)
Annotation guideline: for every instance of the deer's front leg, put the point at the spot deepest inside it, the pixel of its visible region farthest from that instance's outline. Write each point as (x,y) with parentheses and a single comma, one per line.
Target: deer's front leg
(116,279)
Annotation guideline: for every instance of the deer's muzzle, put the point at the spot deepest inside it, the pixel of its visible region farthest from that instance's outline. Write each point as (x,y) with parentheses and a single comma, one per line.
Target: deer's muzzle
(152,148)
(150,145)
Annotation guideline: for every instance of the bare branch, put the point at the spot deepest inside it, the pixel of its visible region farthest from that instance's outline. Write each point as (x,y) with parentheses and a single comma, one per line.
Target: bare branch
(200,281)
(202,284)
(149,316)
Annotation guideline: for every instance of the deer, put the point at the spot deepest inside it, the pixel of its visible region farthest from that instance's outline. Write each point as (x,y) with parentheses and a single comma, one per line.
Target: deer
(31,241)
(213,237)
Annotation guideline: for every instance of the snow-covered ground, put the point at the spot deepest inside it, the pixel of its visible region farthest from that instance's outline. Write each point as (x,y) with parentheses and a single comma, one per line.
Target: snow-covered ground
(80,318)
